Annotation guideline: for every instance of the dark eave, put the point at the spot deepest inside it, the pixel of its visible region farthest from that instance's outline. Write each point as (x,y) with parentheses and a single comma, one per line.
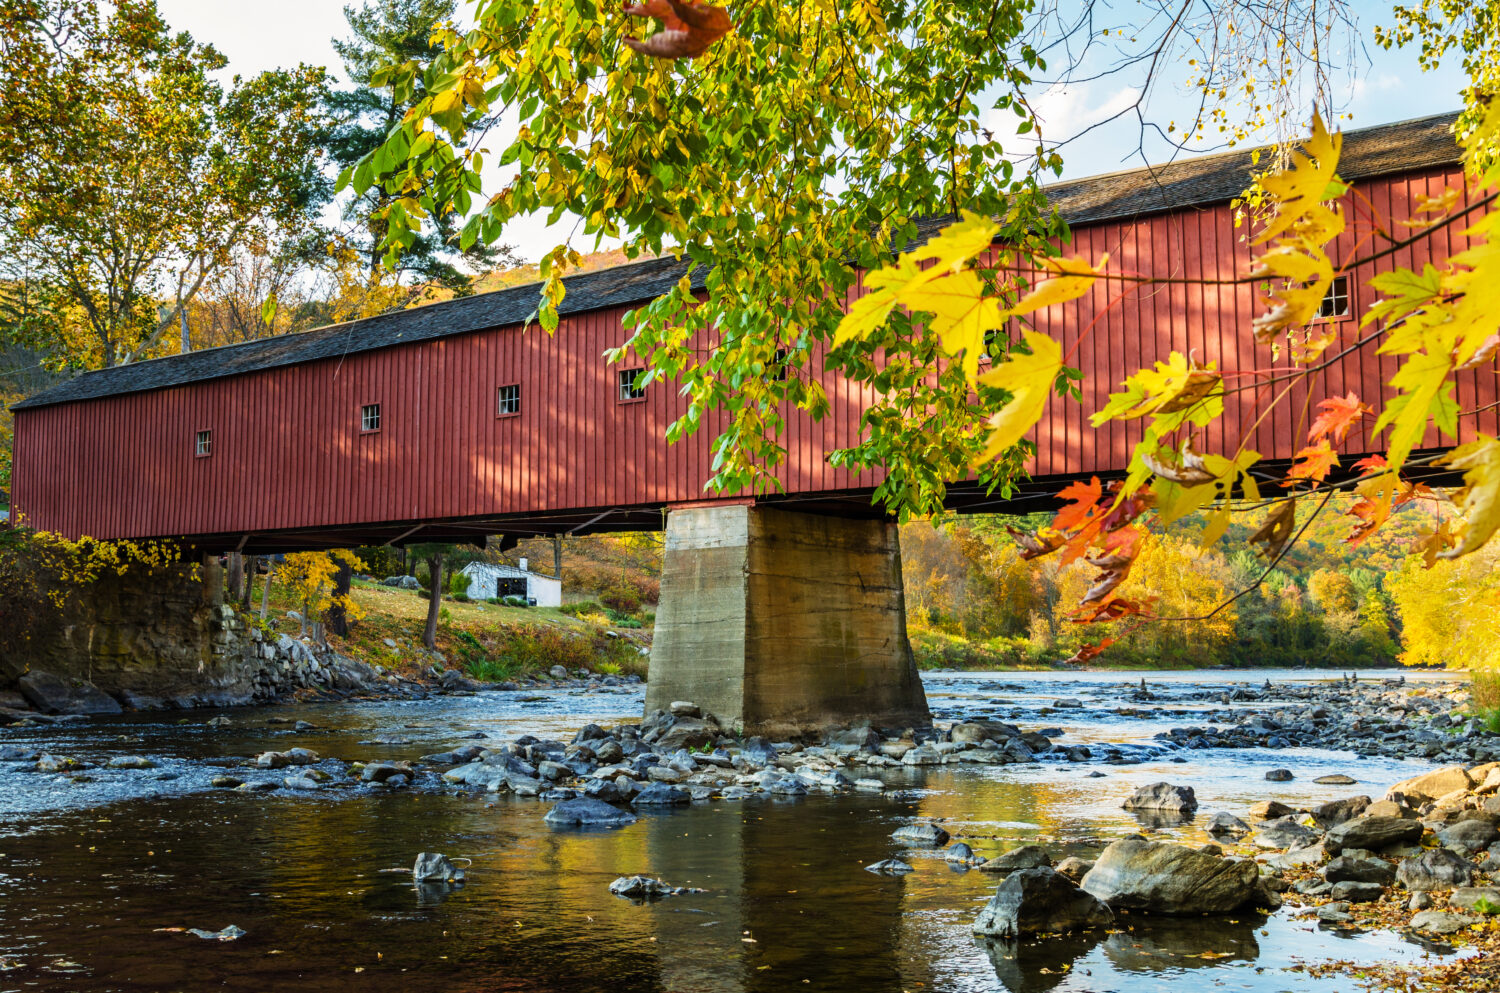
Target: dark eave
(1404,147)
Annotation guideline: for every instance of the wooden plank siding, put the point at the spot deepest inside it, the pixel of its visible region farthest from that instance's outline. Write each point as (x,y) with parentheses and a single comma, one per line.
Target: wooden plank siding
(288,452)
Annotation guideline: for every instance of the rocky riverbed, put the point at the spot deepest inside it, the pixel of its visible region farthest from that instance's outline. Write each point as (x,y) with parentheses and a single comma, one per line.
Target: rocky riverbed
(997,820)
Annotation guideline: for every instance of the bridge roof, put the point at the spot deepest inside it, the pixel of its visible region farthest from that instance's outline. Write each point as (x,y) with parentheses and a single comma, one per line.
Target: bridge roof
(1202,181)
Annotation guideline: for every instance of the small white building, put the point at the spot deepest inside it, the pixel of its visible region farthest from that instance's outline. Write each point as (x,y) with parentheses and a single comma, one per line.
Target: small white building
(486,581)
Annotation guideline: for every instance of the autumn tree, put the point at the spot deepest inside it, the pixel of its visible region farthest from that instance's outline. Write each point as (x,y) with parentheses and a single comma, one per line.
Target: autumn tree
(778,148)
(131,175)
(313,579)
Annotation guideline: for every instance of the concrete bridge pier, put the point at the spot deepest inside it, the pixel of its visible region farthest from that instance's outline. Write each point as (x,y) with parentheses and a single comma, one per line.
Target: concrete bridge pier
(780,623)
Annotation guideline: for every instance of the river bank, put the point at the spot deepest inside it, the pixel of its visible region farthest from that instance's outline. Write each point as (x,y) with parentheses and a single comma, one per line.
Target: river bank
(298,868)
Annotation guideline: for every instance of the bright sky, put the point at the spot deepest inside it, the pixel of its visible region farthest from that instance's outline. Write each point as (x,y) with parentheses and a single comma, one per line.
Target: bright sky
(255,36)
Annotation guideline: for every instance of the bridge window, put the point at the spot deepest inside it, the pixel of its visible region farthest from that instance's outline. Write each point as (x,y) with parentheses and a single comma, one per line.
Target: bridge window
(631,385)
(509,401)
(369,417)
(1336,300)
(205,444)
(778,368)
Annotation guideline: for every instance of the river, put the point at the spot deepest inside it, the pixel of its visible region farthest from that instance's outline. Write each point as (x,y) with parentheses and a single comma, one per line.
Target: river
(99,878)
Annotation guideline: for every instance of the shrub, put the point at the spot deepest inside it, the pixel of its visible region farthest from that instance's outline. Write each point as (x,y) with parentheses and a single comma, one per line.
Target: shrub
(515,601)
(621,598)
(580,608)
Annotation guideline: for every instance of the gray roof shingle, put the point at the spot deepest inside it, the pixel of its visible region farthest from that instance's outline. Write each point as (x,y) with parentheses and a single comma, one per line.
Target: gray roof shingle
(1406,146)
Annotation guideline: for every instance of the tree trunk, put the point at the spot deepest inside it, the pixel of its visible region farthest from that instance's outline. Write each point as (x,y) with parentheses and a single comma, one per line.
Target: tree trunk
(336,618)
(234,575)
(557,555)
(252,568)
(435,571)
(265,591)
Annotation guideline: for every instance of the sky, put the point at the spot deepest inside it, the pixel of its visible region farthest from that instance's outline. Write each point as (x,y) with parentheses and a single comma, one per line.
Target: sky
(254,36)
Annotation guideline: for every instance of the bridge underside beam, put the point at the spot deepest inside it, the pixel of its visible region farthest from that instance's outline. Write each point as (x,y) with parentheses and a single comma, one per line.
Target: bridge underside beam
(782,623)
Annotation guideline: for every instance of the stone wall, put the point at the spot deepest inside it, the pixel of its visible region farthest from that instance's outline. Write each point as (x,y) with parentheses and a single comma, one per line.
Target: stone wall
(163,641)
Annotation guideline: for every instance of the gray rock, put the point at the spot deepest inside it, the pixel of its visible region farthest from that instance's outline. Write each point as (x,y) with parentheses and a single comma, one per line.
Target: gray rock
(226,782)
(380,772)
(1441,922)
(682,708)
(1164,878)
(662,795)
(1336,812)
(1074,868)
(1025,857)
(1279,776)
(1163,796)
(587,812)
(959,852)
(1357,892)
(923,835)
(1470,836)
(1373,833)
(1485,899)
(436,867)
(558,672)
(1037,900)
(52,694)
(1284,832)
(1226,825)
(131,762)
(59,763)
(1352,869)
(1439,869)
(889,867)
(1420,900)
(1335,913)
(1337,779)
(647,888)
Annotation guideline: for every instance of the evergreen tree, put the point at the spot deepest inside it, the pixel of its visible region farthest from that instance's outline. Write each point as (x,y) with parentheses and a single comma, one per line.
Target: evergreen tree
(386,33)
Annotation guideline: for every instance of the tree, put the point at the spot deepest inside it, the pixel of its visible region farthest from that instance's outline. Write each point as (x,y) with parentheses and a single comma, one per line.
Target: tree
(131,176)
(315,584)
(802,148)
(390,33)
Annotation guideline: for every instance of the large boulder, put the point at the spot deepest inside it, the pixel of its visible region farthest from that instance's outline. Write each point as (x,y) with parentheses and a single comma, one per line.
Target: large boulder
(1025,857)
(974,732)
(52,694)
(1336,812)
(1351,869)
(1438,869)
(1469,836)
(435,867)
(1163,797)
(1037,900)
(1163,878)
(1432,785)
(1372,833)
(1226,825)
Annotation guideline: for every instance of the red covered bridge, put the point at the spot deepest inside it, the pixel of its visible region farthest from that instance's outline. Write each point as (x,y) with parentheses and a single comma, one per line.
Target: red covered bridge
(450,422)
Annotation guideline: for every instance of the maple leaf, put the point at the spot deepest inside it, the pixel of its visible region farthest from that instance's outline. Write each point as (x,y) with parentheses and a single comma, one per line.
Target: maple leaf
(1338,417)
(1075,277)
(1316,461)
(1303,187)
(1191,469)
(1371,463)
(1435,544)
(1081,499)
(1028,379)
(687,28)
(1277,529)
(1479,500)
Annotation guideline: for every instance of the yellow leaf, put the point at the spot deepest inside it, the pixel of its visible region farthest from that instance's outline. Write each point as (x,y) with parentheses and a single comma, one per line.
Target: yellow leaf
(961,314)
(1425,392)
(1479,500)
(1075,278)
(1029,379)
(957,244)
(1305,185)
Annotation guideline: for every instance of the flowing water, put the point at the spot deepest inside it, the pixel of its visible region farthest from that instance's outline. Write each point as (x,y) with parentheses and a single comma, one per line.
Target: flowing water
(97,878)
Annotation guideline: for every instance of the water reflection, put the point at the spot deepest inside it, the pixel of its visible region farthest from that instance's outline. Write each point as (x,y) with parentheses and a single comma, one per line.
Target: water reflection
(787,903)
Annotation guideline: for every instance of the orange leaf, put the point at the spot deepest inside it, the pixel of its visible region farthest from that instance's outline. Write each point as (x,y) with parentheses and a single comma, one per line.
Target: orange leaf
(1339,415)
(1317,460)
(1372,463)
(1081,499)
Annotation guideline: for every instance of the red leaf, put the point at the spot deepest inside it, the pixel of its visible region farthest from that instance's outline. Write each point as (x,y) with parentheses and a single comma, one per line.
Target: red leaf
(1372,463)
(1088,653)
(1339,415)
(687,28)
